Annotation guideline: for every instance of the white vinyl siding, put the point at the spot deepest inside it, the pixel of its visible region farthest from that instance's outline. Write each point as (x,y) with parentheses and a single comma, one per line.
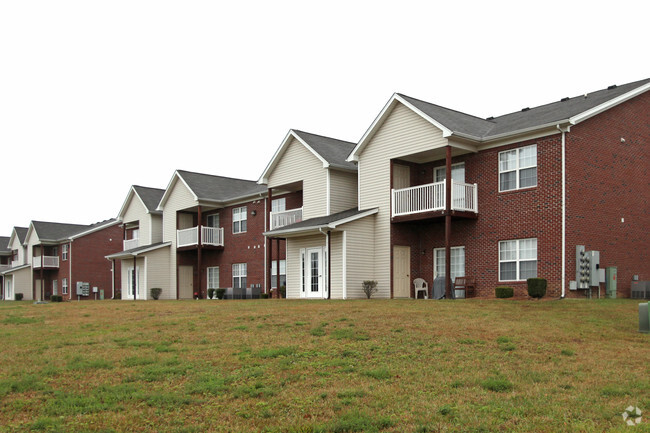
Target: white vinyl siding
(403,133)
(343,191)
(518,168)
(157,271)
(298,164)
(335,262)
(137,214)
(517,259)
(360,258)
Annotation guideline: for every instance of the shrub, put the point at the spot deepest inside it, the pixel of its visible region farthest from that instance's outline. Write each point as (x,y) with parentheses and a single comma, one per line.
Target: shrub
(283,291)
(211,293)
(220,293)
(56,298)
(18,296)
(504,292)
(536,287)
(155,292)
(369,287)
(264,295)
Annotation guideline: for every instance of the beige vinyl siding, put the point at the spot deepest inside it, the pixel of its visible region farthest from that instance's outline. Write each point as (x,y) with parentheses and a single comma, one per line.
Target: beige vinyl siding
(299,164)
(403,133)
(136,211)
(294,265)
(31,240)
(360,253)
(343,191)
(15,245)
(179,198)
(157,271)
(22,283)
(336,265)
(156,228)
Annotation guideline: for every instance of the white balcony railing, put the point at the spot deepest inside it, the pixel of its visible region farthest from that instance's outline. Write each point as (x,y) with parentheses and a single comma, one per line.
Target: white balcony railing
(431,197)
(4,267)
(47,262)
(190,237)
(212,236)
(129,244)
(284,218)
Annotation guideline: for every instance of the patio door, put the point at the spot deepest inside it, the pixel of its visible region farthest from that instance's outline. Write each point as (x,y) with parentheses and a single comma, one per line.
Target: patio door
(457,263)
(129,282)
(401,271)
(314,270)
(9,292)
(457,175)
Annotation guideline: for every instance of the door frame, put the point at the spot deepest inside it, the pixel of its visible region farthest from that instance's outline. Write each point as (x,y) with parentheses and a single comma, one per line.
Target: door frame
(308,275)
(394,274)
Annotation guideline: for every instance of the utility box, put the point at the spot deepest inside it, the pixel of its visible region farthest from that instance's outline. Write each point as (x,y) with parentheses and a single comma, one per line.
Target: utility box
(101,295)
(83,289)
(640,289)
(594,265)
(610,281)
(644,317)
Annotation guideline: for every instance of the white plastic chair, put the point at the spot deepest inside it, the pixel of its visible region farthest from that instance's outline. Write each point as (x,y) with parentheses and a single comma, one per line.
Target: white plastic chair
(421,286)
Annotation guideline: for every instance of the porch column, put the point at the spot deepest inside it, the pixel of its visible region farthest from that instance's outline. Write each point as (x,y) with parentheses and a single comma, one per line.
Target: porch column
(200,247)
(134,277)
(269,242)
(277,266)
(448,223)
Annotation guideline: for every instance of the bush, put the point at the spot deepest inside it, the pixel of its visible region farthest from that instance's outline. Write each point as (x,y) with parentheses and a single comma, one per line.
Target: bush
(369,287)
(56,298)
(283,291)
(155,292)
(536,287)
(264,295)
(211,293)
(18,296)
(504,292)
(220,293)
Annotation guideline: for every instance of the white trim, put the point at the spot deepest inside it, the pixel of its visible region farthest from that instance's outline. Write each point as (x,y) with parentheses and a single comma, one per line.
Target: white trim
(363,214)
(608,104)
(518,259)
(94,229)
(563,211)
(518,168)
(332,225)
(281,150)
(327,188)
(344,271)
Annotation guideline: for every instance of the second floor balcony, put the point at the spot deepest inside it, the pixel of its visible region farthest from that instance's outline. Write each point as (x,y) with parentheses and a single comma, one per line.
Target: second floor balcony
(51,262)
(210,236)
(129,244)
(431,197)
(4,267)
(285,218)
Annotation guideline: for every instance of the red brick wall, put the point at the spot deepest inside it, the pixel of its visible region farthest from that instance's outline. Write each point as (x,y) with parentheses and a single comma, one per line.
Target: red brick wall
(609,180)
(606,180)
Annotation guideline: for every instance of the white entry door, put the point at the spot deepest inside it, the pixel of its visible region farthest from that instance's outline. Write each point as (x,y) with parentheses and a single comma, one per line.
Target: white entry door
(129,283)
(9,292)
(314,281)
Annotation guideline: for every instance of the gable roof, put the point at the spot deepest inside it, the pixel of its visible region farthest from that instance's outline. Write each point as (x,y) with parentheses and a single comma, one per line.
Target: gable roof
(58,232)
(149,197)
(20,233)
(4,246)
(212,188)
(566,111)
(330,151)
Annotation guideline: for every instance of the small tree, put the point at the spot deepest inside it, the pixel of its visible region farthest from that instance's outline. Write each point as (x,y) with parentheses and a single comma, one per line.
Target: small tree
(369,287)
(536,287)
(155,292)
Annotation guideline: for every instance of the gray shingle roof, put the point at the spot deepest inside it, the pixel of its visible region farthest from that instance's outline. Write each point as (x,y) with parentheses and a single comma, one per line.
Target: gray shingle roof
(21,232)
(313,223)
(219,188)
(4,245)
(508,123)
(332,150)
(150,196)
(49,231)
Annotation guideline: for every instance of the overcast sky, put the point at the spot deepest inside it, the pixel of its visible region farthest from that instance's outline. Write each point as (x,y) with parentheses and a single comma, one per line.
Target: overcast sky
(96,96)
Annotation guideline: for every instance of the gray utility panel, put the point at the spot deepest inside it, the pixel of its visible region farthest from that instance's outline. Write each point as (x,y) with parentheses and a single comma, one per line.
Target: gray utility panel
(640,290)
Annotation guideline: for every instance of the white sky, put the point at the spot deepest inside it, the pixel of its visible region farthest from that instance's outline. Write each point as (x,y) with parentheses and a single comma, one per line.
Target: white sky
(96,96)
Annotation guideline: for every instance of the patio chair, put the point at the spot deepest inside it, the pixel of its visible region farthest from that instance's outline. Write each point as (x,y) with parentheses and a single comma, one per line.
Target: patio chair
(421,286)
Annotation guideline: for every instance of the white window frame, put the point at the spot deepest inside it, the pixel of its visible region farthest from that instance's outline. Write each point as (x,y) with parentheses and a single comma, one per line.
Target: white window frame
(213,279)
(55,287)
(64,286)
(212,220)
(518,258)
(440,168)
(279,205)
(129,282)
(518,168)
(64,252)
(454,252)
(239,273)
(283,272)
(239,219)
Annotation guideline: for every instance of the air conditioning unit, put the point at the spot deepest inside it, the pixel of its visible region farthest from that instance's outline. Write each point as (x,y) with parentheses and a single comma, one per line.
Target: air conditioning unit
(640,290)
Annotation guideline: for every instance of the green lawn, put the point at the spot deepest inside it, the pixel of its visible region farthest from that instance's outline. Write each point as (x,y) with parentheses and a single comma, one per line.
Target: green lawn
(322,366)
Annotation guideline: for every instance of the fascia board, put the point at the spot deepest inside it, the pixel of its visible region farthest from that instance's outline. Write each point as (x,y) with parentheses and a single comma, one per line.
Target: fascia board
(379,120)
(171,185)
(93,230)
(120,214)
(316,154)
(609,104)
(263,180)
(446,132)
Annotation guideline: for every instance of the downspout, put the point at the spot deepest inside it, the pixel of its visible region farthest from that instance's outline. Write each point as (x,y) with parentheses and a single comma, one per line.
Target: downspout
(564,131)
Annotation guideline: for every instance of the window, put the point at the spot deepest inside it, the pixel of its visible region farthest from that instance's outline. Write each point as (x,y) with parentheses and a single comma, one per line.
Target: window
(457,262)
(64,252)
(283,273)
(14,255)
(239,275)
(517,260)
(130,281)
(279,205)
(55,288)
(213,277)
(135,234)
(64,286)
(518,168)
(239,219)
(213,220)
(457,173)
(55,251)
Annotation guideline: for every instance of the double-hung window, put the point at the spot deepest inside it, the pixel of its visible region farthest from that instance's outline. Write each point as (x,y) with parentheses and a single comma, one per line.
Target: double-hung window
(279,205)
(64,252)
(274,273)
(239,275)
(517,259)
(518,168)
(64,286)
(239,219)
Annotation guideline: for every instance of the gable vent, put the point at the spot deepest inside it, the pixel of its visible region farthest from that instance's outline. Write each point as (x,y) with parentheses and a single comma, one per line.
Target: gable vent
(613,86)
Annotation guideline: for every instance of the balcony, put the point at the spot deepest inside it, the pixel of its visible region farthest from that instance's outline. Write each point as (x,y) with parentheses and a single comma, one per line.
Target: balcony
(4,267)
(431,198)
(284,218)
(45,262)
(210,236)
(129,244)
